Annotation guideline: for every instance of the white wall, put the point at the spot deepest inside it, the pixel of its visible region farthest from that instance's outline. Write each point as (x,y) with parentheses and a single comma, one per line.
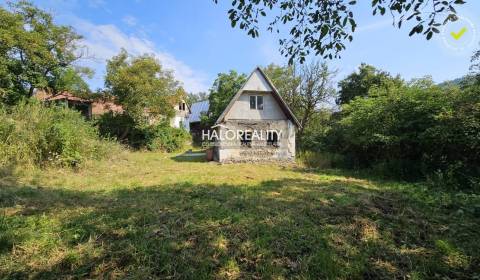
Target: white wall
(257,83)
(241,108)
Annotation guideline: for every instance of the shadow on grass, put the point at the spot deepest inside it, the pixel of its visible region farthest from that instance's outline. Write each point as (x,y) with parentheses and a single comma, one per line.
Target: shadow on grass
(276,229)
(190,157)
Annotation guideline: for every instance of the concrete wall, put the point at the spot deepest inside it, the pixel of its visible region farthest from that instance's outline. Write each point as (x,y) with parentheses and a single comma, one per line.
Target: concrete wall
(232,150)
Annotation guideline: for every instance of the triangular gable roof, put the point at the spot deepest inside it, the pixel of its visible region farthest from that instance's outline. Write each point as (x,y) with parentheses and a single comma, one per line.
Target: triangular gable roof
(274,92)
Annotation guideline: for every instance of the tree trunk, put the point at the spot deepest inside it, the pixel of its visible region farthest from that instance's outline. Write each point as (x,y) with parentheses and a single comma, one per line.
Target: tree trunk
(124,134)
(30,91)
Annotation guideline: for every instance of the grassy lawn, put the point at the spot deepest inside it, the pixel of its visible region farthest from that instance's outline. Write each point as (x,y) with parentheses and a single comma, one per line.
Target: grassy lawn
(151,215)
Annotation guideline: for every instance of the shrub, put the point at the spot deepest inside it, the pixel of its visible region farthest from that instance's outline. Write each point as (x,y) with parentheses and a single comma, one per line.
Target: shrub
(413,131)
(165,138)
(314,159)
(34,134)
(121,127)
(155,137)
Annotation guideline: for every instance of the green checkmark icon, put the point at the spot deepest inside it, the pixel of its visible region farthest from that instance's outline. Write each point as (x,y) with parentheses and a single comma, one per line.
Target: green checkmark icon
(459,34)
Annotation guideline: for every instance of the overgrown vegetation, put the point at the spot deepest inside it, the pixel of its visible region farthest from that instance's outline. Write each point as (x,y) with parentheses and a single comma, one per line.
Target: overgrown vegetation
(36,135)
(160,136)
(163,137)
(150,216)
(409,131)
(412,131)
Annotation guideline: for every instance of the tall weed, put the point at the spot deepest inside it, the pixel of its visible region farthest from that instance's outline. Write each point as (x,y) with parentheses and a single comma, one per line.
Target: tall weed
(37,135)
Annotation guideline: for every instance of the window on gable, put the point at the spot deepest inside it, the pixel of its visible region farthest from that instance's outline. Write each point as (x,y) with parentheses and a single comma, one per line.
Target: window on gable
(259,102)
(272,138)
(183,106)
(256,102)
(246,139)
(180,106)
(253,102)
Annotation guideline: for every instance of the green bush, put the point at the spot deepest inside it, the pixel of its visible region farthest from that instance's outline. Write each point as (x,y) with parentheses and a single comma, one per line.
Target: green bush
(163,137)
(157,137)
(34,134)
(315,159)
(123,128)
(413,131)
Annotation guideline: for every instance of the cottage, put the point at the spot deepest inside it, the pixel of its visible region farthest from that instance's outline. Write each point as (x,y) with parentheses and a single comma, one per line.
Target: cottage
(257,125)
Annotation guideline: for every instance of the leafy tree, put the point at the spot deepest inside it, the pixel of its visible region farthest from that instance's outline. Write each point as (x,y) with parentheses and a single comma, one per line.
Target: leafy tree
(475,67)
(287,81)
(304,88)
(142,86)
(322,27)
(71,80)
(462,82)
(225,86)
(34,52)
(196,97)
(314,134)
(359,83)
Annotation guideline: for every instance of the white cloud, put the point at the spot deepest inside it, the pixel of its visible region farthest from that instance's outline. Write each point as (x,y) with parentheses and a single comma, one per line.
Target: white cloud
(105,41)
(96,3)
(129,20)
(374,26)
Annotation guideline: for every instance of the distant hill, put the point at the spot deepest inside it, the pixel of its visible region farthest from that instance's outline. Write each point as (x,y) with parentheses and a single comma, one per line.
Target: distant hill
(461,82)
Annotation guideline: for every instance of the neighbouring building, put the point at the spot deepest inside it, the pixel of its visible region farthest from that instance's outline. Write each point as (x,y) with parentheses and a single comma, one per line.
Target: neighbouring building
(257,125)
(101,106)
(180,120)
(94,107)
(84,106)
(195,125)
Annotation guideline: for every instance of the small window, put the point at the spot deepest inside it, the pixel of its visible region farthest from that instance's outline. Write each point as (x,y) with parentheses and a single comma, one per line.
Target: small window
(246,139)
(253,102)
(259,102)
(256,102)
(272,138)
(180,106)
(183,106)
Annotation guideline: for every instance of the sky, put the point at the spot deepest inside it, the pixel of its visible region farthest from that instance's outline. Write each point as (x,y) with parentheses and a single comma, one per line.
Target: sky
(195,40)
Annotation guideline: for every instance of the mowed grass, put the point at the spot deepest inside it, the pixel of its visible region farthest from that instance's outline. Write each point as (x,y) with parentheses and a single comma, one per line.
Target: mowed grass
(152,215)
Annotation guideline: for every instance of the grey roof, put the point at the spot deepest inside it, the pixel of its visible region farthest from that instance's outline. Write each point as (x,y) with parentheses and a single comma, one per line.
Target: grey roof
(197,109)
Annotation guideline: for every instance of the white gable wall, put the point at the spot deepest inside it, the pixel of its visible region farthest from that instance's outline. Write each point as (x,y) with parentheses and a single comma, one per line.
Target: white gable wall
(257,83)
(241,108)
